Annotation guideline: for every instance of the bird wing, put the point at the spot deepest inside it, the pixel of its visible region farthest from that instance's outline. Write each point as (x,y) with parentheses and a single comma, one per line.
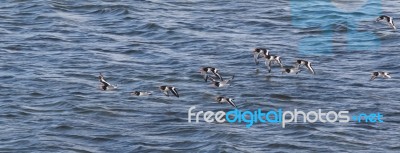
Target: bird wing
(174,91)
(218,75)
(372,78)
(256,56)
(231,102)
(310,68)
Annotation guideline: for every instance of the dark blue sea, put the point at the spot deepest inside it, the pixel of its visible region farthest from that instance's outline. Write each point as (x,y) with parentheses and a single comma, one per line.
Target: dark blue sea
(52,52)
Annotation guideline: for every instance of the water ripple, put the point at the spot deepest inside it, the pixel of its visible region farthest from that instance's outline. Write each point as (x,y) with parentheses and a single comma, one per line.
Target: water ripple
(52,53)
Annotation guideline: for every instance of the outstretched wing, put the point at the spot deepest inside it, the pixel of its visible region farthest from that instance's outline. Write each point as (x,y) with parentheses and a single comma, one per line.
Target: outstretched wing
(256,56)
(166,93)
(230,101)
(310,68)
(218,75)
(174,91)
(268,65)
(206,77)
(372,78)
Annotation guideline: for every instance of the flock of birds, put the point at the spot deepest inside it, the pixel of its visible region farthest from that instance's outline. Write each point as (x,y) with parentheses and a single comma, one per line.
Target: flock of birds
(212,73)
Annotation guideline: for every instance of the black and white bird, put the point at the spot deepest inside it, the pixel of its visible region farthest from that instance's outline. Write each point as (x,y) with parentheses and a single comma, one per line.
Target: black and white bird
(259,51)
(104,84)
(385,75)
(271,59)
(291,70)
(223,83)
(167,89)
(205,70)
(388,19)
(141,93)
(226,100)
(299,63)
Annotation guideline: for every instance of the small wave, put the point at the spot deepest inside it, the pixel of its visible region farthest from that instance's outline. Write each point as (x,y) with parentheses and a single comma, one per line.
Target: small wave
(150,26)
(114,11)
(63,127)
(44,37)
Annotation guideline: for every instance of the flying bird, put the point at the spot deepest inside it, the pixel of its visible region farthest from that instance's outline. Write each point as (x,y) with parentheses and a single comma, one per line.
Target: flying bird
(299,63)
(141,93)
(270,59)
(291,70)
(259,51)
(223,83)
(167,89)
(205,70)
(226,100)
(385,75)
(104,84)
(388,19)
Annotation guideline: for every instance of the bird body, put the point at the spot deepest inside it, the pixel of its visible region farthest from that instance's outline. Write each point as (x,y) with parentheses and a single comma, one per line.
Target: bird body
(141,93)
(385,75)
